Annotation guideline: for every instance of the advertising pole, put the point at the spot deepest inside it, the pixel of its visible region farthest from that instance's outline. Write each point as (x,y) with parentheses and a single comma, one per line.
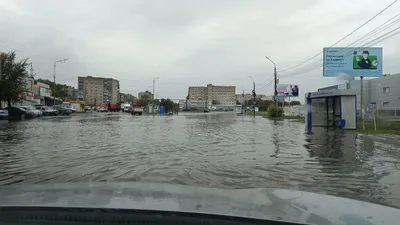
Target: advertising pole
(361,101)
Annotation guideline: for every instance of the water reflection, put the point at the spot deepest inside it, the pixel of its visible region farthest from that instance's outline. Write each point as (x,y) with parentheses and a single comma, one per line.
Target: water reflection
(215,150)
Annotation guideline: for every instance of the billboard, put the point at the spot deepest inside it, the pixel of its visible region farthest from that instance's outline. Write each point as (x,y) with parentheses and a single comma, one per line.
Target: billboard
(287,90)
(352,62)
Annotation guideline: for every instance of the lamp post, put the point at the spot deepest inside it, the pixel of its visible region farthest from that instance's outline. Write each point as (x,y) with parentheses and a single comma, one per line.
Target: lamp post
(54,83)
(154,89)
(275,83)
(254,96)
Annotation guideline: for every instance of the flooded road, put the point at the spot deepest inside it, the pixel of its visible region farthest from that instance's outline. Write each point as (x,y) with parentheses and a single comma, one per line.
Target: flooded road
(212,150)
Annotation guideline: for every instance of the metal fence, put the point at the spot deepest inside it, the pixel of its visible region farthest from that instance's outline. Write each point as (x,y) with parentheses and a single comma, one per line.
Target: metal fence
(294,110)
(386,112)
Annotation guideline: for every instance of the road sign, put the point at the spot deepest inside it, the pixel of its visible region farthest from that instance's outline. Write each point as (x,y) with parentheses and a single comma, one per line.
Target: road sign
(242,102)
(276,98)
(254,102)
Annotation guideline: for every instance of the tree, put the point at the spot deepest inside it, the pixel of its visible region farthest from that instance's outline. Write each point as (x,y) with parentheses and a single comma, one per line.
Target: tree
(12,78)
(168,104)
(62,90)
(274,111)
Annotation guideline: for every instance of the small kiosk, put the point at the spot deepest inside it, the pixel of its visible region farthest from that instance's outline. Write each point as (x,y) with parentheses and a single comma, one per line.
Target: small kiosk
(331,108)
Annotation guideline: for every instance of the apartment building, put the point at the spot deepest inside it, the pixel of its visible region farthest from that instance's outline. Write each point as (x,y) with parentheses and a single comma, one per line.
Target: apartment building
(98,90)
(127,98)
(216,95)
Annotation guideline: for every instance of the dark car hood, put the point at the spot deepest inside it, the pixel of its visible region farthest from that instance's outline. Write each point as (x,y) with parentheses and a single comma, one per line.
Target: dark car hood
(275,204)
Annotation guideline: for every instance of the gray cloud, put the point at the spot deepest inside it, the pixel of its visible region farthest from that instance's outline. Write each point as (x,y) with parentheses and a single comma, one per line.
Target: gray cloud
(185,42)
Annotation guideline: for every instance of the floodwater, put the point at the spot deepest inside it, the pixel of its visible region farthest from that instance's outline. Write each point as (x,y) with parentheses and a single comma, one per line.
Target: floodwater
(221,150)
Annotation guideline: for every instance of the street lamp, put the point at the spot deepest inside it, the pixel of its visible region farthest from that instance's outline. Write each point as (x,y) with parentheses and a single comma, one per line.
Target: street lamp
(154,89)
(54,83)
(274,82)
(254,96)
(274,75)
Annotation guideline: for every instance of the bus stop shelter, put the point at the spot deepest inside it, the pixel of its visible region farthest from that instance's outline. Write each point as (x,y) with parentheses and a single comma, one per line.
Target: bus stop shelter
(331,108)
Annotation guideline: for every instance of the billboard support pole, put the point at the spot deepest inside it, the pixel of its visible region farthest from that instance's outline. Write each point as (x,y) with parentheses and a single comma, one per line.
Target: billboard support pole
(275,91)
(361,101)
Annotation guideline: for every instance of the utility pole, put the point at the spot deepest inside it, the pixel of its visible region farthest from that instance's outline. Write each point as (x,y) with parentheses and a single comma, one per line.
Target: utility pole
(254,96)
(275,83)
(243,101)
(1,77)
(154,88)
(54,83)
(31,77)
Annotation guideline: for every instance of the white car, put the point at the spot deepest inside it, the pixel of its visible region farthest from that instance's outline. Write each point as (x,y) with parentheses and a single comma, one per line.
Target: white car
(102,109)
(37,113)
(46,111)
(3,113)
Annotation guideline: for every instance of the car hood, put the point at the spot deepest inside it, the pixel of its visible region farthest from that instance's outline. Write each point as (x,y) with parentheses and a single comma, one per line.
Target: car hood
(274,204)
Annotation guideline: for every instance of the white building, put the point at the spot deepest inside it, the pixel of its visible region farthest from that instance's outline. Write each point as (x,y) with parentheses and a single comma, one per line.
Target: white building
(216,95)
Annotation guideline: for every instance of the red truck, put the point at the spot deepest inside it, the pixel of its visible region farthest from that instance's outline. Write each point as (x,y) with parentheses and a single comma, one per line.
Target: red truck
(107,107)
(137,109)
(113,107)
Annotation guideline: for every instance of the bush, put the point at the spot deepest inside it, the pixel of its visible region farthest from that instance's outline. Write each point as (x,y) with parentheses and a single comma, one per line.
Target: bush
(274,112)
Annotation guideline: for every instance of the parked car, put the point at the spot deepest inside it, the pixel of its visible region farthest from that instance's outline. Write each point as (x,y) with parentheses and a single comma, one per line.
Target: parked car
(69,106)
(46,111)
(88,109)
(102,109)
(37,113)
(3,114)
(62,110)
(18,112)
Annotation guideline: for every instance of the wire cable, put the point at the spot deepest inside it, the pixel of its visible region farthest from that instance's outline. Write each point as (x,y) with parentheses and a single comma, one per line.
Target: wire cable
(337,42)
(367,36)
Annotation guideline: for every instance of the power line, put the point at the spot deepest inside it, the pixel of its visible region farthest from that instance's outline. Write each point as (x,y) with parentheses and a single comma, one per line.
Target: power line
(362,25)
(377,40)
(367,36)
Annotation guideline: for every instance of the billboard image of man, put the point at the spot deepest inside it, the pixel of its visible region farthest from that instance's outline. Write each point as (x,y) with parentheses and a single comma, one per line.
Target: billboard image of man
(365,62)
(295,91)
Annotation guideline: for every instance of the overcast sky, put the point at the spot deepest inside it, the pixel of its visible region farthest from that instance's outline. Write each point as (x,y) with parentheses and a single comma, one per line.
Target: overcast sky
(188,42)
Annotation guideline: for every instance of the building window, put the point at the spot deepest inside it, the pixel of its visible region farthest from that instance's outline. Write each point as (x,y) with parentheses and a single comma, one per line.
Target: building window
(386,89)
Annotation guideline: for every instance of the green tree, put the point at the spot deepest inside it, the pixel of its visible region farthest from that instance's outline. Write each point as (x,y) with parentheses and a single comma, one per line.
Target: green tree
(274,111)
(12,78)
(168,104)
(62,90)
